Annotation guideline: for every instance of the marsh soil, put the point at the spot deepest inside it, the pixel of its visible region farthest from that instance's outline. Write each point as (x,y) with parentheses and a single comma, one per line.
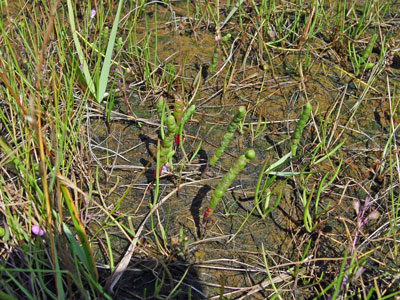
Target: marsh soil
(229,254)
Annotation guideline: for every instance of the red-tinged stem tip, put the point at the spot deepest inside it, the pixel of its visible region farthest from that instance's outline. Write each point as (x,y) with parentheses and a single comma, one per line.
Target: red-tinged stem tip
(207,213)
(177,139)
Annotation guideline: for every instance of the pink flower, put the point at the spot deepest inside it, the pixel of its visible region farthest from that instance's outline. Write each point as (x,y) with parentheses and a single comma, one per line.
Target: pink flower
(36,230)
(92,14)
(164,170)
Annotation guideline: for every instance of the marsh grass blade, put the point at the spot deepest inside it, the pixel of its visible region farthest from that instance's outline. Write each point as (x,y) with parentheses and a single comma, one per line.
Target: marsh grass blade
(105,71)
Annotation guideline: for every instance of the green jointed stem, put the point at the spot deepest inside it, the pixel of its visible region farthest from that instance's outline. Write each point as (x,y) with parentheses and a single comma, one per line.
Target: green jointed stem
(215,57)
(368,50)
(179,106)
(228,135)
(214,60)
(166,151)
(299,127)
(159,106)
(229,177)
(226,38)
(188,113)
(186,116)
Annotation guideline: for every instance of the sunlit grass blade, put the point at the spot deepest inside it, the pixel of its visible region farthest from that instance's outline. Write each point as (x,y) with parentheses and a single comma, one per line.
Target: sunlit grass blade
(85,68)
(105,71)
(231,13)
(276,164)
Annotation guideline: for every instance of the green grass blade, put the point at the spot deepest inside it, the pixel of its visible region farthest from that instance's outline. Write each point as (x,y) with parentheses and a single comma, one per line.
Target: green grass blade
(78,47)
(232,12)
(5,296)
(105,71)
(278,163)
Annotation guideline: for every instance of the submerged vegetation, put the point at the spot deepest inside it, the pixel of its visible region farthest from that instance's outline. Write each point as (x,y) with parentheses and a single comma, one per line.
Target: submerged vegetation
(199,149)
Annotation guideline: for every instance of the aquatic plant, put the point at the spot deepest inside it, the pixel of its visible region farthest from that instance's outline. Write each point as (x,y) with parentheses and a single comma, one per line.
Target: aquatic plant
(215,57)
(185,117)
(230,131)
(175,123)
(166,149)
(359,61)
(55,153)
(227,180)
(299,127)
(179,106)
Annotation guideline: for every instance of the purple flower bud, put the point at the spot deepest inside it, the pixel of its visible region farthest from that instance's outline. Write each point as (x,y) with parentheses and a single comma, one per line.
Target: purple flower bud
(164,170)
(92,14)
(36,230)
(356,205)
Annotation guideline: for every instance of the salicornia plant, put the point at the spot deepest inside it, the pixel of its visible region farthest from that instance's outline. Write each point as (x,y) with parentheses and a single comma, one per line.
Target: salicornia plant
(185,117)
(228,135)
(295,138)
(175,124)
(359,61)
(167,151)
(299,127)
(227,180)
(215,57)
(179,107)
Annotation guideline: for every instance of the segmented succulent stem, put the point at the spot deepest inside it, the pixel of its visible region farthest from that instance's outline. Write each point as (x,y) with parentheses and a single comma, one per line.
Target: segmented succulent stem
(215,57)
(368,50)
(185,117)
(160,107)
(187,114)
(228,135)
(227,180)
(226,38)
(167,151)
(214,60)
(179,107)
(300,127)
(174,124)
